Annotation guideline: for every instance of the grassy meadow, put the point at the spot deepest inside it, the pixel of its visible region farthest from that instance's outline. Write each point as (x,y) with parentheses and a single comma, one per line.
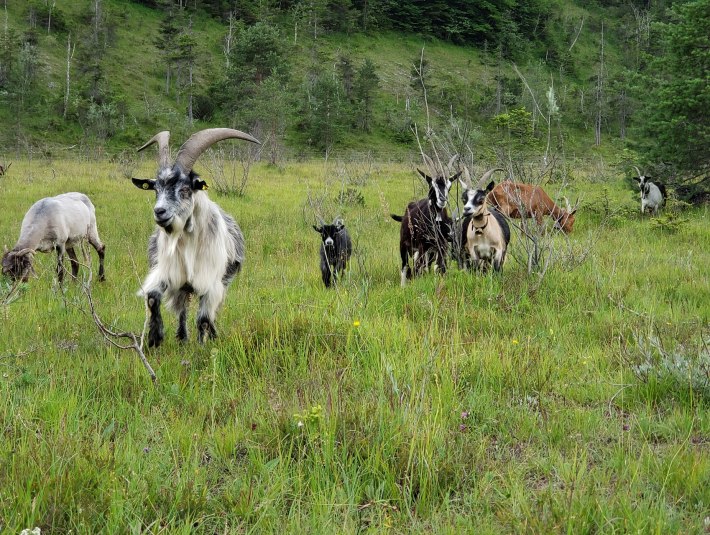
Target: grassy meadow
(577,403)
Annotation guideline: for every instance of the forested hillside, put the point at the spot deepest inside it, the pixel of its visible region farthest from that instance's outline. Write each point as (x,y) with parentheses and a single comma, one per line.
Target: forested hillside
(315,76)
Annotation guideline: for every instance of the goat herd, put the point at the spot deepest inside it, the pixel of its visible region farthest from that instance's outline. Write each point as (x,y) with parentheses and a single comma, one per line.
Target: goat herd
(198,249)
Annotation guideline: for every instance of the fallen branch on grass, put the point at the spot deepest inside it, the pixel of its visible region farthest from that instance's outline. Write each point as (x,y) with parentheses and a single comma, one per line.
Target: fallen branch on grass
(112,337)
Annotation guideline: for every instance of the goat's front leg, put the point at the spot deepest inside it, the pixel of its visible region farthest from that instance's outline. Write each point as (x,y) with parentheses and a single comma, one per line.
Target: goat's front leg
(209,303)
(60,263)
(180,304)
(155,325)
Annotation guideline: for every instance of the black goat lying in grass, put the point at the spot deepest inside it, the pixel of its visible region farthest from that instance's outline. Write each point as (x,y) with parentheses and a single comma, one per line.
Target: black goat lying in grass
(335,250)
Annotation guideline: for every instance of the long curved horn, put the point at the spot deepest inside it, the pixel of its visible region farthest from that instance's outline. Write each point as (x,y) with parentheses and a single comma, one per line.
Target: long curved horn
(487,175)
(430,164)
(450,165)
(637,171)
(163,141)
(200,141)
(467,178)
(23,252)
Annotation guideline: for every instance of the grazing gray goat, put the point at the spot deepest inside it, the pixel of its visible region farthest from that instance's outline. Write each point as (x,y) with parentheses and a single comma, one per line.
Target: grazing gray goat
(485,233)
(54,224)
(653,194)
(426,227)
(335,250)
(197,248)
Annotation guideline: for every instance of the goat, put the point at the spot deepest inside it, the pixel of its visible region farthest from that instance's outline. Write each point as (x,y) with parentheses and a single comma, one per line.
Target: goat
(426,228)
(335,250)
(3,169)
(653,194)
(517,200)
(196,248)
(485,233)
(54,223)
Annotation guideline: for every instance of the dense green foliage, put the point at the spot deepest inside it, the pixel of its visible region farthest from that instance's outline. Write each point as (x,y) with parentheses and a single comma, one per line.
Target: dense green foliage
(677,117)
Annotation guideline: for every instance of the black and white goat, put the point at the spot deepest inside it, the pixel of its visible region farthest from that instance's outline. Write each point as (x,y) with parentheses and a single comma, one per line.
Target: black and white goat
(485,232)
(197,248)
(335,250)
(653,194)
(54,224)
(426,228)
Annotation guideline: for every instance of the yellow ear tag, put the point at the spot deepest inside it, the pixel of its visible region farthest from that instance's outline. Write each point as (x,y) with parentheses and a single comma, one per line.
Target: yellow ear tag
(145,185)
(205,186)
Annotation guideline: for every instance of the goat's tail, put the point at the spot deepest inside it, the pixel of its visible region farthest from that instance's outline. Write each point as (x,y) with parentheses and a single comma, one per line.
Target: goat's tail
(396,217)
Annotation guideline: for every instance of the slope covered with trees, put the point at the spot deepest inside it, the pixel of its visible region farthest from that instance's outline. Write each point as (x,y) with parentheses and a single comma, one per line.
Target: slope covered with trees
(315,76)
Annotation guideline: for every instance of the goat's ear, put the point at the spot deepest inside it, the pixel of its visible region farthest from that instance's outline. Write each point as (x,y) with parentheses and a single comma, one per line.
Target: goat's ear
(490,186)
(143,183)
(573,212)
(455,177)
(339,224)
(637,179)
(318,229)
(198,184)
(426,177)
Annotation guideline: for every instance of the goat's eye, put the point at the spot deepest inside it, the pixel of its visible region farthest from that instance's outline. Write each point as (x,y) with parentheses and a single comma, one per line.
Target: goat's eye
(185,192)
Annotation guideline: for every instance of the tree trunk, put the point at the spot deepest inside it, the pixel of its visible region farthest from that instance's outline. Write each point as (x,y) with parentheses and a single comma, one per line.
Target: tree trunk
(599,95)
(189,95)
(70,55)
(228,39)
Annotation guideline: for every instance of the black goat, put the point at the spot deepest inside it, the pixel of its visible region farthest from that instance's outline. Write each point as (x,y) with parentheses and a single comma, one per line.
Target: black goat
(426,228)
(335,250)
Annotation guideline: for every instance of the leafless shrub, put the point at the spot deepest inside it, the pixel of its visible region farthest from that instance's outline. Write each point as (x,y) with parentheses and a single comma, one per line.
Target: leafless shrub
(226,175)
(539,246)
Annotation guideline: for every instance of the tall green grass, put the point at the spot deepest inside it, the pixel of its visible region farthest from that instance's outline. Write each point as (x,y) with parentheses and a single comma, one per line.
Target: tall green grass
(457,404)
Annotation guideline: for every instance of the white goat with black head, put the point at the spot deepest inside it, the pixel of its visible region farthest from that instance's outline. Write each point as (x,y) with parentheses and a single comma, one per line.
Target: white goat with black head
(54,224)
(653,194)
(197,248)
(335,251)
(426,227)
(485,232)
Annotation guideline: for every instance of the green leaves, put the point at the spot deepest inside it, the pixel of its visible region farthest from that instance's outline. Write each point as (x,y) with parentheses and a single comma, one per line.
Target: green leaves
(676,93)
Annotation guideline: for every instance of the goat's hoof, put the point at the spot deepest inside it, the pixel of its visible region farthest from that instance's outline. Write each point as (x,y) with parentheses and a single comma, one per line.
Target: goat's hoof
(206,330)
(155,337)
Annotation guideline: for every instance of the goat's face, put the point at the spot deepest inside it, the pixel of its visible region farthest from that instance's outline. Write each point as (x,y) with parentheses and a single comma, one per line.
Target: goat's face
(474,200)
(174,197)
(641,180)
(566,222)
(17,265)
(328,233)
(439,189)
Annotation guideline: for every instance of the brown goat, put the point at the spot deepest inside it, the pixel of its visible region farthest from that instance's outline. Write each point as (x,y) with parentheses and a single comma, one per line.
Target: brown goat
(514,199)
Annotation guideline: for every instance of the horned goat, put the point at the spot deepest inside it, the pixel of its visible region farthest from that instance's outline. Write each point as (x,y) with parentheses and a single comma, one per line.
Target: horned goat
(485,233)
(426,228)
(197,248)
(653,194)
(54,224)
(336,248)
(518,200)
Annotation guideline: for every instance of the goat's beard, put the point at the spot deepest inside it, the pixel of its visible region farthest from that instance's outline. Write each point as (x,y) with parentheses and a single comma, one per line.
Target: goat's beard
(177,225)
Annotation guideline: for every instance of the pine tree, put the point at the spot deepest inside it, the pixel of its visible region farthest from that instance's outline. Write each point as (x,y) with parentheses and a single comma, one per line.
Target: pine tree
(676,93)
